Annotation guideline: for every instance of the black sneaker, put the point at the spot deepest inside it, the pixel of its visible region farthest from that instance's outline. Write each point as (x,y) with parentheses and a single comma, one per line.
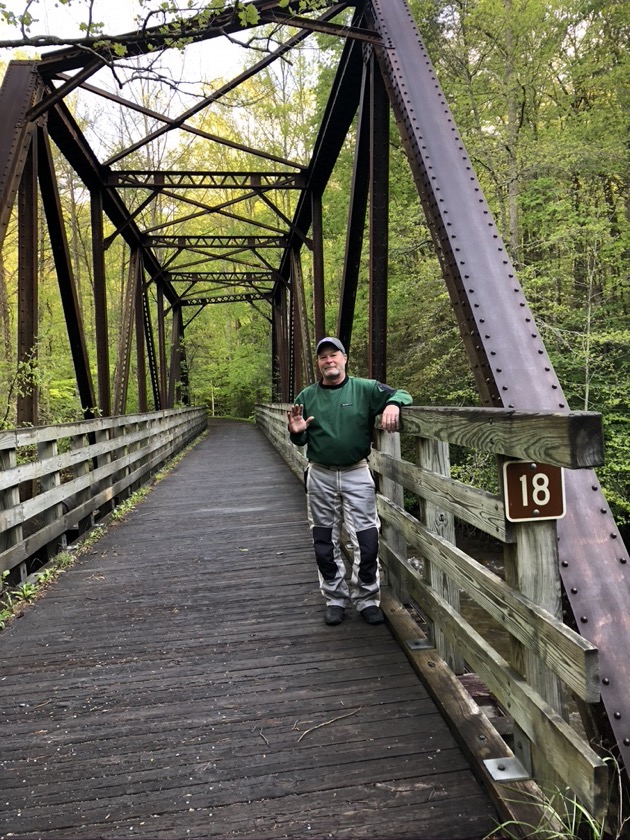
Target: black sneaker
(334,615)
(372,615)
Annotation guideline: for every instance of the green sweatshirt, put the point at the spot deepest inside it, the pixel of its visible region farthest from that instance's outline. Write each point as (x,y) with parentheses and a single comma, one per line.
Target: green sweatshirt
(341,432)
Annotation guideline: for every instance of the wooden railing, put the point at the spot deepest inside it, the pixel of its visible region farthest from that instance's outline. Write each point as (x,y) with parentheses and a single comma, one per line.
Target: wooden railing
(547,661)
(55,480)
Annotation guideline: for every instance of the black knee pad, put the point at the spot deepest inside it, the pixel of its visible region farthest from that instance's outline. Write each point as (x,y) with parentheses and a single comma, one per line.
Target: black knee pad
(368,546)
(324,552)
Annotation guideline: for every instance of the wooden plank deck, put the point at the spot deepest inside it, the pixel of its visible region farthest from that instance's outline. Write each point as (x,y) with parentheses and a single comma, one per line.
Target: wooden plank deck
(179,682)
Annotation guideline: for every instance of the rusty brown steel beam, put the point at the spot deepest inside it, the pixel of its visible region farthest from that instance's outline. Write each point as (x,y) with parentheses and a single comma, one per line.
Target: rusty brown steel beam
(151,354)
(57,94)
(21,89)
(141,361)
(214,242)
(191,129)
(357,208)
(70,139)
(151,39)
(100,304)
(244,297)
(28,292)
(357,33)
(337,119)
(206,180)
(319,296)
(379,224)
(63,264)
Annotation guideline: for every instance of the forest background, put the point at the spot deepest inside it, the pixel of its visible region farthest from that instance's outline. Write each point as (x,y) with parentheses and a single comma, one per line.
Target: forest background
(540,93)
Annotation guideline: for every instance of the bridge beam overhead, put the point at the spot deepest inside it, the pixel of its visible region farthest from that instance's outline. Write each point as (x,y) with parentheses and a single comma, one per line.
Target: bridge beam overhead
(188,239)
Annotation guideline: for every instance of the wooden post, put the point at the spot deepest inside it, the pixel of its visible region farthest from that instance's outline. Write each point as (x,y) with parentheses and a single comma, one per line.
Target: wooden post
(531,567)
(48,449)
(434,455)
(389,444)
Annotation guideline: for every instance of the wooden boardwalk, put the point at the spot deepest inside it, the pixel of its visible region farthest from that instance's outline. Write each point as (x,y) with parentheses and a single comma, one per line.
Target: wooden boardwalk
(179,682)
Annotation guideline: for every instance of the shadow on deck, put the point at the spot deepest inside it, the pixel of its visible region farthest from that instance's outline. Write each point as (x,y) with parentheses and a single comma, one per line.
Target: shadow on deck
(179,682)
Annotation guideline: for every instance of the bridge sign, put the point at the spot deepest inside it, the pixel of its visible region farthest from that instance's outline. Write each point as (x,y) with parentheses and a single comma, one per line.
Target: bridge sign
(533,491)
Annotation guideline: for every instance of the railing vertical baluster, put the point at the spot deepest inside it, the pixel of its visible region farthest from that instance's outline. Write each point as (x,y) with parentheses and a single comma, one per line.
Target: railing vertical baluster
(531,567)
(434,455)
(81,468)
(389,443)
(48,449)
(9,498)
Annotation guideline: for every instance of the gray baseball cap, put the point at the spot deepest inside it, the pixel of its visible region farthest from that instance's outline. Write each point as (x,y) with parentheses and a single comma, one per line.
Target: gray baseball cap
(330,340)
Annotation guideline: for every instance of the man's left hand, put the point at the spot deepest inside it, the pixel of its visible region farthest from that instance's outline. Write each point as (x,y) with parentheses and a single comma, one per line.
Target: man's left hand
(390,418)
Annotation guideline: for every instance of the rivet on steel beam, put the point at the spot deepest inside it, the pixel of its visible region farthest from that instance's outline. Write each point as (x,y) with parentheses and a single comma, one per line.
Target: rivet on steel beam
(623,560)
(486,336)
(626,742)
(511,405)
(547,369)
(617,715)
(493,352)
(595,487)
(584,619)
(602,510)
(561,405)
(504,387)
(606,681)
(565,563)
(499,370)
(574,590)
(554,387)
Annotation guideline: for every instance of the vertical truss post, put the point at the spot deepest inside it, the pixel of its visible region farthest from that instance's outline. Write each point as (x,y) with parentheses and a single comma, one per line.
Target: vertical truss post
(21,88)
(280,346)
(100,304)
(319,298)
(65,277)
(150,342)
(175,368)
(161,328)
(356,218)
(140,357)
(184,396)
(303,347)
(379,223)
(121,378)
(28,292)
(295,372)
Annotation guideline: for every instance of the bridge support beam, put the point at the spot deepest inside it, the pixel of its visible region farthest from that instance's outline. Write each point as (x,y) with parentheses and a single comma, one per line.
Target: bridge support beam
(28,292)
(100,304)
(379,223)
(61,253)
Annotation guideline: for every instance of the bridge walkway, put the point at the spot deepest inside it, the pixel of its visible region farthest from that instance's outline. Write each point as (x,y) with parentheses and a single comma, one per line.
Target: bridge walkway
(179,682)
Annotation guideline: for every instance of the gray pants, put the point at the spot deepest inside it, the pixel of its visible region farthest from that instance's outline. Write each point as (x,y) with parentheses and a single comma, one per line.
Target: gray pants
(344,494)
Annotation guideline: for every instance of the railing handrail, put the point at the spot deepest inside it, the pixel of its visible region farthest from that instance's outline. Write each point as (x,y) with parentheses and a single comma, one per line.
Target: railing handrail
(53,494)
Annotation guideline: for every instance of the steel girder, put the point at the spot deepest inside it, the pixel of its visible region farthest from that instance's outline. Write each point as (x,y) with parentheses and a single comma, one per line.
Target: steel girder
(506,351)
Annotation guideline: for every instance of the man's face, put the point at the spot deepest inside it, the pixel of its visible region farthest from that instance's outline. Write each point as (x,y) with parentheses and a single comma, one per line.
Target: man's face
(332,365)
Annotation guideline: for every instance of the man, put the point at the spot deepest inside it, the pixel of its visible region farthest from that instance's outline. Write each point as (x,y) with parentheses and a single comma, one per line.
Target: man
(334,418)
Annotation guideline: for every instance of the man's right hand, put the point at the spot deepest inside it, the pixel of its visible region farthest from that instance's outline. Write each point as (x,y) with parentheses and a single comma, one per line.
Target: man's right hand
(297,423)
